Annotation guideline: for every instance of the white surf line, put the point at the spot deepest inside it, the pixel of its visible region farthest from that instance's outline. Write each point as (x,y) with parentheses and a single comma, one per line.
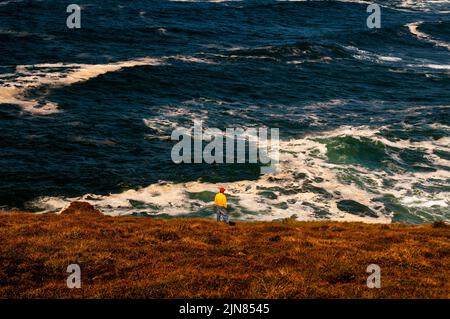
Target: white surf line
(210,1)
(38,75)
(362,2)
(35,76)
(425,5)
(4,3)
(413,28)
(173,198)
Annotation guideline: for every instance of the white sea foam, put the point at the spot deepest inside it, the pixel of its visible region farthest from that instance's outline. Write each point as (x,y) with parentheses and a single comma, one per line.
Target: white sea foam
(400,5)
(161,126)
(169,117)
(420,202)
(349,1)
(403,5)
(390,58)
(433,66)
(28,77)
(325,105)
(191,59)
(370,56)
(425,5)
(414,29)
(4,3)
(211,1)
(54,75)
(303,197)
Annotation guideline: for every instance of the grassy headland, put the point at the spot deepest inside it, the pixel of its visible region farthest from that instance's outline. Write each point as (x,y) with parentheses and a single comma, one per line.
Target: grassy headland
(129,257)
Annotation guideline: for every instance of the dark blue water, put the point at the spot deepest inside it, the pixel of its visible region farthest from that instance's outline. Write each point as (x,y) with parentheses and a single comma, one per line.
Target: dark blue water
(363,113)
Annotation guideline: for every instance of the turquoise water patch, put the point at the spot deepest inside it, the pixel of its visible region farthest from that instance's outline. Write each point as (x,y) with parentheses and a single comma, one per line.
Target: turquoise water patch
(270,191)
(436,187)
(268,194)
(350,176)
(205,196)
(372,154)
(412,215)
(318,212)
(360,151)
(415,160)
(143,205)
(400,212)
(442,154)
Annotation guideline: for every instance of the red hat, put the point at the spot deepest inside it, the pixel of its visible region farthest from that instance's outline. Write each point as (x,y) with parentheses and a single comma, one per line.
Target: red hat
(222,190)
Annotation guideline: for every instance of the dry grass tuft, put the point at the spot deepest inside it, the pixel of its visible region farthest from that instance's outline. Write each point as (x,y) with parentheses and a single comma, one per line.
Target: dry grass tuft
(126,257)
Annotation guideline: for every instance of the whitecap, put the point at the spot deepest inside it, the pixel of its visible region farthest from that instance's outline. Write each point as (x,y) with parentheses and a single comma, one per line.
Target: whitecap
(33,76)
(414,29)
(305,156)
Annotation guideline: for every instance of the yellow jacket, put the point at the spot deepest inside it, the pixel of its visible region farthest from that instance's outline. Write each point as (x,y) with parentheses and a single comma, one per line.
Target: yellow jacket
(220,200)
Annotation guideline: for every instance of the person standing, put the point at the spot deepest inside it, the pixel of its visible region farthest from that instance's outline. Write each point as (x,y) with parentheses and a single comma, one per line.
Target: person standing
(220,200)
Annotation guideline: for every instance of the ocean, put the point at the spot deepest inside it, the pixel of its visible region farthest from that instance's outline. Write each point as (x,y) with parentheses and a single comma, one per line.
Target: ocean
(363,114)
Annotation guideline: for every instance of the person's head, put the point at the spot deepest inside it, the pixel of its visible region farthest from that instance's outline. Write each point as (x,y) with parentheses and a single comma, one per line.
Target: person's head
(222,190)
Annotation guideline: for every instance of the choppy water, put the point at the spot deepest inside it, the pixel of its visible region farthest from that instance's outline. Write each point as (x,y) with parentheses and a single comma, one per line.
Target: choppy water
(363,114)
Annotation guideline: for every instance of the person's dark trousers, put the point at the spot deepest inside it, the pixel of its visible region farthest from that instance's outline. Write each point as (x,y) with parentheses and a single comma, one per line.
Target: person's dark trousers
(222,213)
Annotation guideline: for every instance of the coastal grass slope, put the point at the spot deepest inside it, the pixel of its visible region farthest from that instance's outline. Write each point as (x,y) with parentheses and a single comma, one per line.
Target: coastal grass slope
(129,257)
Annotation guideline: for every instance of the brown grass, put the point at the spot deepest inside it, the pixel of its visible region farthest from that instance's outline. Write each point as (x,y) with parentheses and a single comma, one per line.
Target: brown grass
(125,257)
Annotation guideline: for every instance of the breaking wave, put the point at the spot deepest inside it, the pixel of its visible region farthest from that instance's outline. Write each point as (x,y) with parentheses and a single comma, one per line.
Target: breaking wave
(363,114)
(15,88)
(29,77)
(351,173)
(414,29)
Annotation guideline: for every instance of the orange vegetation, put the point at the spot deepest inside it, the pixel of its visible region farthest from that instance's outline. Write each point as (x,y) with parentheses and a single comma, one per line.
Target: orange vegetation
(130,257)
